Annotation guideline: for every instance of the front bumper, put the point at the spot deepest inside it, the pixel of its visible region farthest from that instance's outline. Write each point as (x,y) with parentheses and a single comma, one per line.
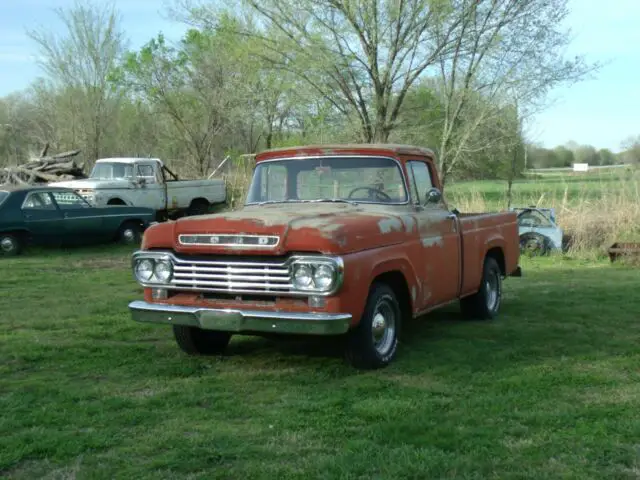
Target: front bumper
(241,321)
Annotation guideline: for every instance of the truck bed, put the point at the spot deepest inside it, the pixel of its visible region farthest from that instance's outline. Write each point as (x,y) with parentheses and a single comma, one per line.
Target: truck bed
(481,232)
(181,192)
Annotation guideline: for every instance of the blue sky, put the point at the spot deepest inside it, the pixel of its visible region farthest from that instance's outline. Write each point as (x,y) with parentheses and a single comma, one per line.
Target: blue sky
(602,111)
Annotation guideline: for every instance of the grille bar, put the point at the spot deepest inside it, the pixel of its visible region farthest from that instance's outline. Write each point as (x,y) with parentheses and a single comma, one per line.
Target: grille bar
(247,278)
(231,276)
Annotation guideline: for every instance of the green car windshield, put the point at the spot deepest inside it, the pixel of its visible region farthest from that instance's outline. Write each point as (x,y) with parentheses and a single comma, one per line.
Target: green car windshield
(3,196)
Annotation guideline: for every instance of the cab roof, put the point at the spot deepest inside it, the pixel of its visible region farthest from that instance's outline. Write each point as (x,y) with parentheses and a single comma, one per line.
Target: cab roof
(346,148)
(128,160)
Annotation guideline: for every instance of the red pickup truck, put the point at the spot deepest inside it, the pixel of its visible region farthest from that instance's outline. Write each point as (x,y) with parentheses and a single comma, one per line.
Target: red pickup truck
(349,240)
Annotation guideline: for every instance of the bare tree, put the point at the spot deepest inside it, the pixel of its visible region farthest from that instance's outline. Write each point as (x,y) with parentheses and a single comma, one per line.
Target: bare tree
(503,49)
(363,56)
(80,61)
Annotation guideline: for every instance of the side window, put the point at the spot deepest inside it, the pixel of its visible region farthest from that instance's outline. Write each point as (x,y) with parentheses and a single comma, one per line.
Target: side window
(69,200)
(38,201)
(146,171)
(420,179)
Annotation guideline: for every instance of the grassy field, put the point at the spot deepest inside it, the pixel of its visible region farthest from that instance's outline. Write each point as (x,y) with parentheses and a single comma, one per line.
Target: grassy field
(550,389)
(595,208)
(552,188)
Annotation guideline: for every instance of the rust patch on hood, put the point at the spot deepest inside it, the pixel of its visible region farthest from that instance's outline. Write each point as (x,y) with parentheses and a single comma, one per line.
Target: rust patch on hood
(305,227)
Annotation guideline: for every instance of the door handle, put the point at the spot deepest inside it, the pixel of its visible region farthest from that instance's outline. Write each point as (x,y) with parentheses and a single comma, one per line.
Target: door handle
(65,215)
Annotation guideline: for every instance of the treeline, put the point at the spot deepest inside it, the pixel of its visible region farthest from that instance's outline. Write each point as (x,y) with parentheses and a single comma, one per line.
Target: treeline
(461,77)
(567,155)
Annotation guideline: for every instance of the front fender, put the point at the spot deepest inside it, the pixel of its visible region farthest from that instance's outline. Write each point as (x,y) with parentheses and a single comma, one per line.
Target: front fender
(105,196)
(362,268)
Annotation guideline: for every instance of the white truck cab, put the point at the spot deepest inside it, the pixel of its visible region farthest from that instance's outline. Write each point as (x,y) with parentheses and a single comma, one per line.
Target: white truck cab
(147,182)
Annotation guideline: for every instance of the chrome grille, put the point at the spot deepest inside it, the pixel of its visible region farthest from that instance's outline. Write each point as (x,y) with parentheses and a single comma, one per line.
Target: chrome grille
(231,276)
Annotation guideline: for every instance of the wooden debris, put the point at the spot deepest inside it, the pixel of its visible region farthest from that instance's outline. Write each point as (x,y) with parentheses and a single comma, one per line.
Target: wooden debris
(45,169)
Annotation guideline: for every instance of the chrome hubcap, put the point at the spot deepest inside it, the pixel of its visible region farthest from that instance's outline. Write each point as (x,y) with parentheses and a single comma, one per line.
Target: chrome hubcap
(492,286)
(7,244)
(383,327)
(129,235)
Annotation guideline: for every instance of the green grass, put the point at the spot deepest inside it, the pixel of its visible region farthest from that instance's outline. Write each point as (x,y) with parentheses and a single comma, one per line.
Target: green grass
(551,188)
(550,389)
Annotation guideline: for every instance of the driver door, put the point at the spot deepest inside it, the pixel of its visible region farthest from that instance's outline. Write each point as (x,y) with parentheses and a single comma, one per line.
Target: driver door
(43,219)
(150,192)
(439,264)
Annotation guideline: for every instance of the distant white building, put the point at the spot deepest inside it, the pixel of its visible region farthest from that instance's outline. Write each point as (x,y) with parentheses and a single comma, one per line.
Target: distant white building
(580,167)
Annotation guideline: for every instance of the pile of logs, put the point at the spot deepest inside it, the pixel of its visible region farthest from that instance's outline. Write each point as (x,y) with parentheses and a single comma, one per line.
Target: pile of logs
(45,169)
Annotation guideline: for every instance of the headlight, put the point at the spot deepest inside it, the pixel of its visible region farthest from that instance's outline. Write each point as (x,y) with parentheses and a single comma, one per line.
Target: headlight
(144,270)
(303,276)
(315,276)
(163,271)
(150,270)
(324,276)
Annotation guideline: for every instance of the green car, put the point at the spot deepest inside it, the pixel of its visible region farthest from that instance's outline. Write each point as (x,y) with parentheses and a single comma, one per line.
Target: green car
(47,215)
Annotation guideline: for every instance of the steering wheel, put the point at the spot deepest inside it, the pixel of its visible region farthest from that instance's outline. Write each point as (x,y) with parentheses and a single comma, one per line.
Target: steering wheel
(370,189)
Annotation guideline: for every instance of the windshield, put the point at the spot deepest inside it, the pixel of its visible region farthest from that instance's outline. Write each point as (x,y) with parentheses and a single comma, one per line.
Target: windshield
(356,179)
(112,170)
(3,195)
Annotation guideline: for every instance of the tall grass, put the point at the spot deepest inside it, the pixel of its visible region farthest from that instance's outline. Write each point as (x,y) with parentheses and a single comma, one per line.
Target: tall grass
(594,210)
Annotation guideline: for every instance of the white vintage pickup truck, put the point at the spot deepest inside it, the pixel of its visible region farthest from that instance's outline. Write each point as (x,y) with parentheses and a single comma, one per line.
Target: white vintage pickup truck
(147,182)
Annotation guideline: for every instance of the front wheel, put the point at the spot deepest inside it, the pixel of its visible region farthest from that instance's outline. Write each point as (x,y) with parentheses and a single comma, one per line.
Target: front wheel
(374,342)
(10,244)
(196,341)
(485,303)
(534,244)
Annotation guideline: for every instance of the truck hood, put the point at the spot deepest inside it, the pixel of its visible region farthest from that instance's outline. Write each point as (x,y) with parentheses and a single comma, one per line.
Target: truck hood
(93,184)
(300,227)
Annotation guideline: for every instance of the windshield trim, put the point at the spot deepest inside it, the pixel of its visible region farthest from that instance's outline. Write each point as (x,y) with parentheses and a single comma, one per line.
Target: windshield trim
(309,157)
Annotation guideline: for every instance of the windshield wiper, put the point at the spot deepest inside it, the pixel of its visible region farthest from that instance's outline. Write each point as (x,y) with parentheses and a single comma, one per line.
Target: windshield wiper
(269,202)
(319,200)
(335,200)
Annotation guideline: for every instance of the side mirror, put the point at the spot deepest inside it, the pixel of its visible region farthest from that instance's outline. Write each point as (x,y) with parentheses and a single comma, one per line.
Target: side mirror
(433,195)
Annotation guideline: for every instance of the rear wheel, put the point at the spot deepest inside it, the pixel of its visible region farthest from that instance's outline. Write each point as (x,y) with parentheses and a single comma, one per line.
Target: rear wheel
(374,342)
(485,303)
(10,244)
(198,207)
(196,341)
(130,233)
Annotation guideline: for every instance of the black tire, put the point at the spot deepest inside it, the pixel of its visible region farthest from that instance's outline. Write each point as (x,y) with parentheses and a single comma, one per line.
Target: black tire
(10,244)
(195,341)
(130,233)
(362,349)
(482,305)
(533,244)
(198,207)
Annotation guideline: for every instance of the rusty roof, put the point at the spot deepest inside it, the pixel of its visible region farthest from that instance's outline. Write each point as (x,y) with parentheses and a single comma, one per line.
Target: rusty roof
(350,147)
